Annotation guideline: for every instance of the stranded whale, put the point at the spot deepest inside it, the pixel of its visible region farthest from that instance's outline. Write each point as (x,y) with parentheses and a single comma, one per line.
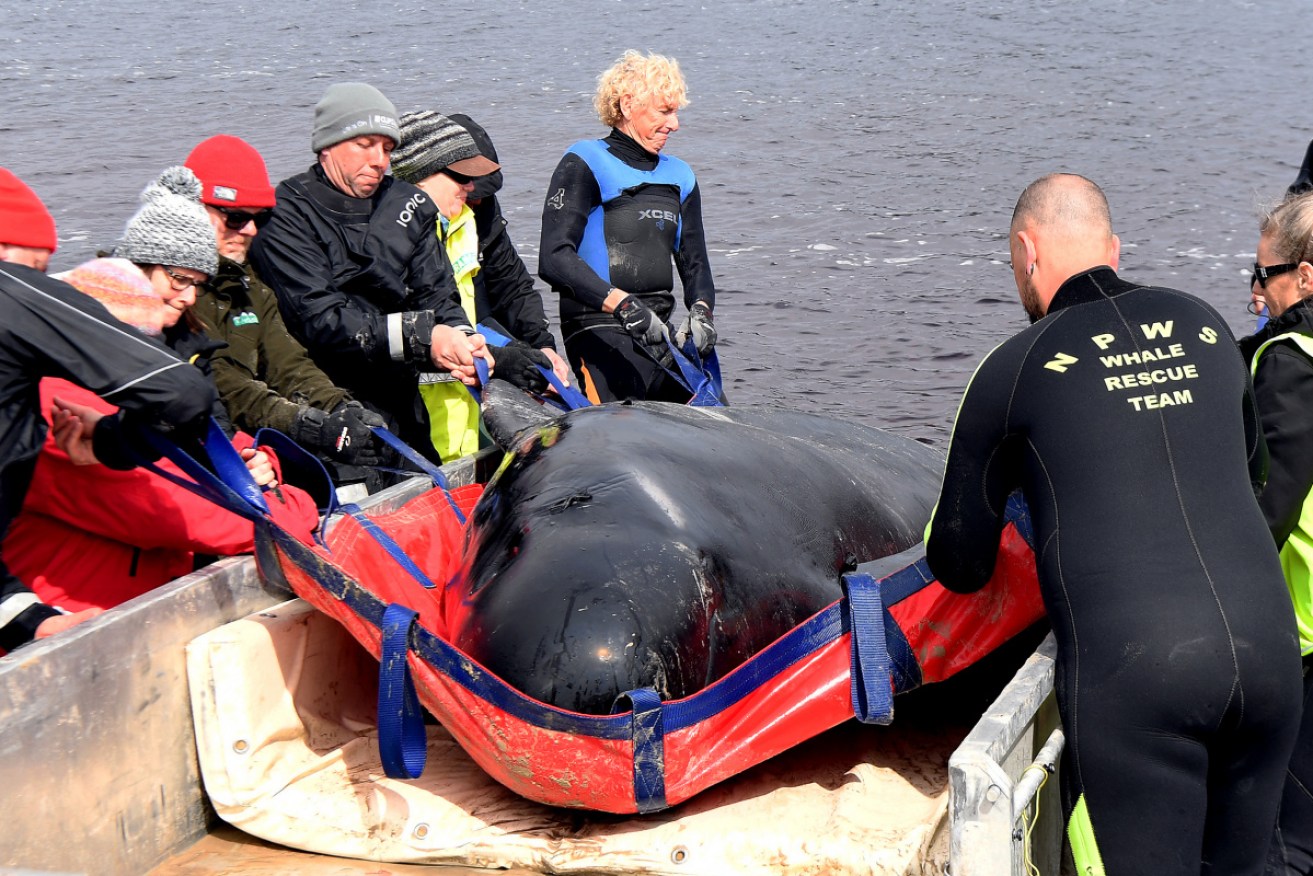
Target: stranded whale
(634,545)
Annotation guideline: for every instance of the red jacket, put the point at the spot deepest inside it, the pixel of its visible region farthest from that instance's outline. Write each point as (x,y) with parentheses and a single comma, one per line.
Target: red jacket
(92,536)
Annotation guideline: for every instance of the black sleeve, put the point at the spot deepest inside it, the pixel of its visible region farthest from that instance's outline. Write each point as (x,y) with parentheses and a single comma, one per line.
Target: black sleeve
(691,259)
(571,196)
(967,523)
(290,259)
(1283,389)
(434,282)
(511,298)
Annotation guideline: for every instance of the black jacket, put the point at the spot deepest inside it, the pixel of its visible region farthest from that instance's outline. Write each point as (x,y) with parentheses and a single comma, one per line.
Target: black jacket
(1283,392)
(361,282)
(49,329)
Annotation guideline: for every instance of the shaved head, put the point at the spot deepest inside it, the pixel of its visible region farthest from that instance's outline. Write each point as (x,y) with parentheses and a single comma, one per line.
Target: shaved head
(1064,204)
(1060,228)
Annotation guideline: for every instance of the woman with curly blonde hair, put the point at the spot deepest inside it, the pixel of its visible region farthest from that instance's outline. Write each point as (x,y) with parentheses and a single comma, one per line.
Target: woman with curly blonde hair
(620,218)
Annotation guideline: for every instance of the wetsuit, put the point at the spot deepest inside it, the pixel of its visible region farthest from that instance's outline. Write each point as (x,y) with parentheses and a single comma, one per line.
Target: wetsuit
(361,282)
(1126,419)
(615,214)
(49,329)
(1281,356)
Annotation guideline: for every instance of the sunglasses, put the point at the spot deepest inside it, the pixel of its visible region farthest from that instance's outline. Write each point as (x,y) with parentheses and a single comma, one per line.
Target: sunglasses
(460,178)
(1262,274)
(236,219)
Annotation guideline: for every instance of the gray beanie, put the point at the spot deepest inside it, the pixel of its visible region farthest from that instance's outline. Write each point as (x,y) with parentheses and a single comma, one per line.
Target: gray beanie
(171,227)
(431,143)
(352,109)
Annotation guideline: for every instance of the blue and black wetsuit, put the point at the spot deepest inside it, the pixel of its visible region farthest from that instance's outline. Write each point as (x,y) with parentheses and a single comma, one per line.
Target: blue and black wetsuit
(615,215)
(1126,418)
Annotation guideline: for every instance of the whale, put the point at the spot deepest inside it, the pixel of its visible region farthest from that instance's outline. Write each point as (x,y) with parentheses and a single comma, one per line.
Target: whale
(636,545)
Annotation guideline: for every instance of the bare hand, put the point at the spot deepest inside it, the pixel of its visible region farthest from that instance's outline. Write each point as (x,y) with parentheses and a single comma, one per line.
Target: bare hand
(454,351)
(61,622)
(559,367)
(73,426)
(261,469)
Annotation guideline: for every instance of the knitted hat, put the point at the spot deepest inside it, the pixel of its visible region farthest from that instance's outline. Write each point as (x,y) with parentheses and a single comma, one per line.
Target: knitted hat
(489,185)
(24,220)
(231,172)
(430,143)
(171,228)
(125,291)
(352,109)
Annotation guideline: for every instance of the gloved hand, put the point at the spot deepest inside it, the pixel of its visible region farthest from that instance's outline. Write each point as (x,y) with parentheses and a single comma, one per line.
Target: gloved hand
(641,323)
(698,326)
(516,363)
(345,434)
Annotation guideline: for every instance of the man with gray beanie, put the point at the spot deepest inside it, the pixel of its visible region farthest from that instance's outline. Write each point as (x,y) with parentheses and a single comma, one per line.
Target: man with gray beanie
(361,281)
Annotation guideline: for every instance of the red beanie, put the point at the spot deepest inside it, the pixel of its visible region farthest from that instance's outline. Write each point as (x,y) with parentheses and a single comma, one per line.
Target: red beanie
(24,220)
(231,172)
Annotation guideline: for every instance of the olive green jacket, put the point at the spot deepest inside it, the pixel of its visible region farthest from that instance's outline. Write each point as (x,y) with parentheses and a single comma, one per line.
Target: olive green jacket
(264,374)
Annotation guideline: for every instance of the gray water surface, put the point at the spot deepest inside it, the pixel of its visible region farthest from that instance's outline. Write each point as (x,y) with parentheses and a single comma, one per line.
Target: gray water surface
(859,161)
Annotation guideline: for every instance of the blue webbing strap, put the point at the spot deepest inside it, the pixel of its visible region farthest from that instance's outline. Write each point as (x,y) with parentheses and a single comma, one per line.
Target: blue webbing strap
(1018,513)
(648,736)
(701,379)
(291,453)
(435,474)
(570,397)
(402,742)
(229,486)
(389,544)
(872,694)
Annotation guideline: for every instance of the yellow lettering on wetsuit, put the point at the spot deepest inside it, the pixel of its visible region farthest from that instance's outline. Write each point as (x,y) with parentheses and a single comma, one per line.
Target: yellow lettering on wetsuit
(1155,378)
(1060,362)
(1162,400)
(1148,378)
(1157,329)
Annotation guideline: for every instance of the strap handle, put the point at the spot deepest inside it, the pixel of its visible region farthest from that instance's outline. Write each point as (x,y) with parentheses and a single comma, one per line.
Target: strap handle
(647,732)
(435,474)
(229,485)
(402,742)
(870,667)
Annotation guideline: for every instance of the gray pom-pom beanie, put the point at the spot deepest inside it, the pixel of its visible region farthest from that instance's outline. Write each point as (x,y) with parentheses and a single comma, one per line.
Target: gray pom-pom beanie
(352,109)
(171,227)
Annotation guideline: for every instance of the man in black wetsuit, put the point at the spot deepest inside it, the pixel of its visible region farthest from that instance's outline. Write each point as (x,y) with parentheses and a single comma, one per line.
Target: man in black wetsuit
(617,212)
(1125,416)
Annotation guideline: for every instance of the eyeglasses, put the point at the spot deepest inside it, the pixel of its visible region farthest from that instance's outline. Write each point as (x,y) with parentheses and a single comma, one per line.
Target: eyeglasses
(1262,274)
(180,282)
(236,219)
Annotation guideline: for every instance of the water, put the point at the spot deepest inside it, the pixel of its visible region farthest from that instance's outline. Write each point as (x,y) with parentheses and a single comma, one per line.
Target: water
(859,160)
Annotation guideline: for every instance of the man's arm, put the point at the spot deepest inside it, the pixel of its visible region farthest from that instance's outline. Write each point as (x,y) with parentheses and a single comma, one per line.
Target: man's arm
(963,535)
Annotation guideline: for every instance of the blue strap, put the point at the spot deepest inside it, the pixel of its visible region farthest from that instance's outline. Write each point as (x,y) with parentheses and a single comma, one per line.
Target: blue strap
(389,544)
(872,695)
(402,742)
(230,485)
(1017,512)
(434,473)
(571,397)
(648,735)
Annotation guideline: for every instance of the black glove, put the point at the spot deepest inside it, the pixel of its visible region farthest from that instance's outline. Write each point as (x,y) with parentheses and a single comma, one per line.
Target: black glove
(344,435)
(516,364)
(641,323)
(698,326)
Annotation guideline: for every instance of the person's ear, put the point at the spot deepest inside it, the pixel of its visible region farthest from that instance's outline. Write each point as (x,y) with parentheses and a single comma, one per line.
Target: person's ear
(1032,253)
(1114,252)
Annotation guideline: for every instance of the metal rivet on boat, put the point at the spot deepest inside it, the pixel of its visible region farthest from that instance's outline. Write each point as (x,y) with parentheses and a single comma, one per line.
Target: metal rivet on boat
(421,831)
(679,854)
(240,746)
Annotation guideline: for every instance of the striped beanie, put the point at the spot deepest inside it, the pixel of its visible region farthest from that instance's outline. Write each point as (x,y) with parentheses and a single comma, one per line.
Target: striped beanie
(125,291)
(432,143)
(171,227)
